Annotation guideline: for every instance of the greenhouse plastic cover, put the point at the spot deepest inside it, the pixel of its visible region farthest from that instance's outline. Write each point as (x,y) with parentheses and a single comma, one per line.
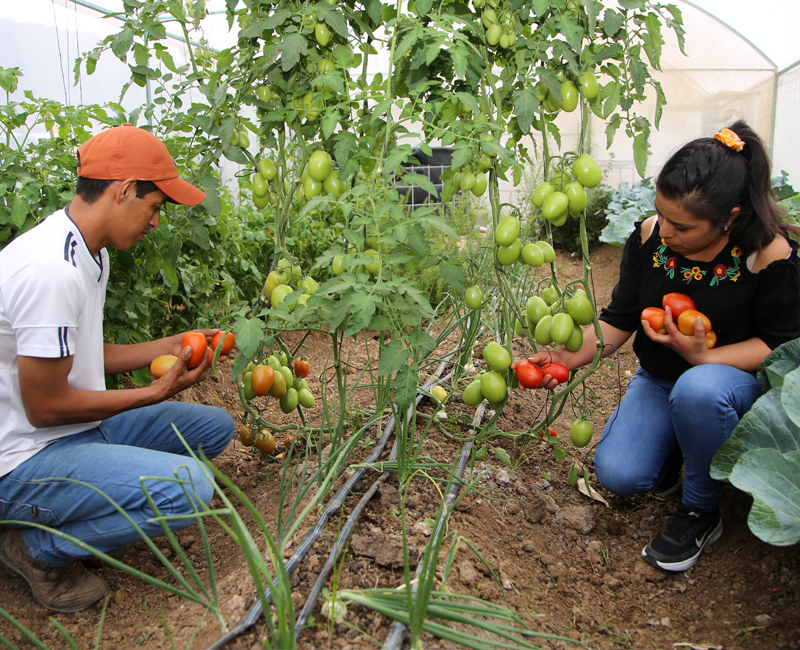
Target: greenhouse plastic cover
(741,62)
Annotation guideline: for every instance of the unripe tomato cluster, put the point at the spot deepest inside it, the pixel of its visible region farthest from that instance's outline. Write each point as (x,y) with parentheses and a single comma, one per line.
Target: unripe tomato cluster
(501,23)
(285,279)
(570,93)
(319,176)
(555,322)
(562,195)
(684,313)
(510,247)
(239,138)
(275,379)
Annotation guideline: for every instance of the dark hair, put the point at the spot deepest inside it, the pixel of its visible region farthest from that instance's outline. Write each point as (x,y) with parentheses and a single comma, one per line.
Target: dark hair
(710,179)
(91,189)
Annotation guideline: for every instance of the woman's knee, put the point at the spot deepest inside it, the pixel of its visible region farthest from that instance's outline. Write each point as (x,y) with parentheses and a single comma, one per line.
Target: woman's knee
(617,475)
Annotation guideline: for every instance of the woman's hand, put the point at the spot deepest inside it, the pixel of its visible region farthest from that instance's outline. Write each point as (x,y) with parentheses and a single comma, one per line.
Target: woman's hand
(692,348)
(552,356)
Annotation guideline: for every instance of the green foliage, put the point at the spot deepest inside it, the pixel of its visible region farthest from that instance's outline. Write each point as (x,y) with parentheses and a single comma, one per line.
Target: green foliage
(789,198)
(762,456)
(628,205)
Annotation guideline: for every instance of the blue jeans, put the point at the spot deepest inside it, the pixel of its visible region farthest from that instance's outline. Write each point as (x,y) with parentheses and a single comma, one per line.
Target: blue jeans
(112,457)
(656,418)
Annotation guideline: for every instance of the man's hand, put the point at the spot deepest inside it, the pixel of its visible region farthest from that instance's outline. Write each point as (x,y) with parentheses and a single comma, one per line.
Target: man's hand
(180,377)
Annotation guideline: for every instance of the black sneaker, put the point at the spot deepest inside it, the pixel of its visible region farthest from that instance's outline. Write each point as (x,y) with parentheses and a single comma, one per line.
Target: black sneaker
(671,483)
(680,542)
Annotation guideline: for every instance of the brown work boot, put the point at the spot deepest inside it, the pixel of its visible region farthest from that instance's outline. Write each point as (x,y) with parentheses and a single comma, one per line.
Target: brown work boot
(65,589)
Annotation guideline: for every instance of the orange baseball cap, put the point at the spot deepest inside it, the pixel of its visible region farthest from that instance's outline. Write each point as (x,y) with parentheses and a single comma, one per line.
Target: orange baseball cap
(126,151)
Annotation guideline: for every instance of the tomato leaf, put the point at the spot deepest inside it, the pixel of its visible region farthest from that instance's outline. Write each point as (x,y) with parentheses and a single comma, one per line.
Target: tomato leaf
(424,7)
(612,21)
(559,454)
(333,17)
(420,180)
(329,122)
(527,104)
(451,271)
(502,456)
(405,385)
(122,42)
(19,210)
(293,46)
(393,357)
(640,153)
(571,30)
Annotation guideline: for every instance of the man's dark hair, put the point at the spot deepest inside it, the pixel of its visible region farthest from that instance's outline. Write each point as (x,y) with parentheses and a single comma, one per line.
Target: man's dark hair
(91,189)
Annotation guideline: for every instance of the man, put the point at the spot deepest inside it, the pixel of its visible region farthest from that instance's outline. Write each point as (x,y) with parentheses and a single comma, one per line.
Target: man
(58,421)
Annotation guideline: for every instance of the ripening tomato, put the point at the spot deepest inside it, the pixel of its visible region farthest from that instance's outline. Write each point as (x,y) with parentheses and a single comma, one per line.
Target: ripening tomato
(228,342)
(199,345)
(160,365)
(557,371)
(246,437)
(301,367)
(278,388)
(687,319)
(529,375)
(265,442)
(677,303)
(655,316)
(711,339)
(262,379)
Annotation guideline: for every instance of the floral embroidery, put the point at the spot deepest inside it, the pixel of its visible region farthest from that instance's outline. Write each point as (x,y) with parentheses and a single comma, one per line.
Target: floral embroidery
(719,273)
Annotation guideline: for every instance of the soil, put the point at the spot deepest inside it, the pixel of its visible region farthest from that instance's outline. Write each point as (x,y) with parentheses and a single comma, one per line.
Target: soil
(570,561)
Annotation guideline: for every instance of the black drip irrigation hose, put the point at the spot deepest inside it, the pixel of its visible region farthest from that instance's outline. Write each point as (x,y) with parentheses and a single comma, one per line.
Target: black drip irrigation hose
(255,612)
(347,530)
(395,637)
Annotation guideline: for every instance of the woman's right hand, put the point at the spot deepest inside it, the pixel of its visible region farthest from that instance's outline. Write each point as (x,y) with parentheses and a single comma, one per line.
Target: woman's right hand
(550,356)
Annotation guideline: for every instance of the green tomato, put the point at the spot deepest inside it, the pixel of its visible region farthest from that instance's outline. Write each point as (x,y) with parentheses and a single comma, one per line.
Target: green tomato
(473,297)
(264,93)
(322,34)
(518,327)
(541,90)
(284,361)
(481,183)
(311,188)
(325,66)
(551,104)
(267,169)
(507,231)
(306,398)
(570,96)
(473,394)
(561,328)
(278,294)
(260,202)
(467,181)
(497,357)
(310,286)
(260,188)
(576,196)
(580,309)
(589,85)
(274,363)
(493,386)
(532,255)
(372,267)
(289,401)
(493,34)
(575,341)
(547,251)
(337,265)
(507,255)
(580,433)
(287,375)
(247,384)
(536,309)
(489,18)
(587,171)
(542,192)
(319,165)
(244,139)
(550,295)
(542,331)
(332,184)
(484,163)
(555,206)
(234,139)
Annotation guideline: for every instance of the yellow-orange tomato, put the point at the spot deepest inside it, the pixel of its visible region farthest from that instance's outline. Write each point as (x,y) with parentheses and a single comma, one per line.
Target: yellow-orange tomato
(262,379)
(199,345)
(711,339)
(246,437)
(686,322)
(160,365)
(265,443)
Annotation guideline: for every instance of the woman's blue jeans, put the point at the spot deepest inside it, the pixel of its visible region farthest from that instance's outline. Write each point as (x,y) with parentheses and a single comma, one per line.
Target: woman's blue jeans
(113,457)
(656,418)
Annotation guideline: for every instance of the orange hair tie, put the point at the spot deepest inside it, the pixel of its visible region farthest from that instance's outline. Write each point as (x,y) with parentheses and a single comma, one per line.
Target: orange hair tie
(730,139)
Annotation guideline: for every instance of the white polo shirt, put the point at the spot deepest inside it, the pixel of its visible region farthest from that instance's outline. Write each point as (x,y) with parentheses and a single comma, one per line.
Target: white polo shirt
(52,291)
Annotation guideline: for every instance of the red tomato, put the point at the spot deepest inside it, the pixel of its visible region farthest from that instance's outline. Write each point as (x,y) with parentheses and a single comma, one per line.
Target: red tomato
(301,367)
(199,345)
(686,322)
(678,303)
(262,379)
(528,375)
(655,316)
(227,343)
(552,433)
(557,371)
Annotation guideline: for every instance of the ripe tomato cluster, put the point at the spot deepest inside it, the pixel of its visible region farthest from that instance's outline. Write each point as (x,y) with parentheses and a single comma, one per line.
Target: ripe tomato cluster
(274,378)
(200,350)
(684,313)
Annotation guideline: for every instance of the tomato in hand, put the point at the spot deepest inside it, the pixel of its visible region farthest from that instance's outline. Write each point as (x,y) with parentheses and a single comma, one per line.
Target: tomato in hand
(162,364)
(677,303)
(228,341)
(557,371)
(655,316)
(301,367)
(199,345)
(687,319)
(529,375)
(711,339)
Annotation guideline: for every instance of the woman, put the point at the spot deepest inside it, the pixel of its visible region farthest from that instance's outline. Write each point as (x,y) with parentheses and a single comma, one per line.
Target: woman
(718,238)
